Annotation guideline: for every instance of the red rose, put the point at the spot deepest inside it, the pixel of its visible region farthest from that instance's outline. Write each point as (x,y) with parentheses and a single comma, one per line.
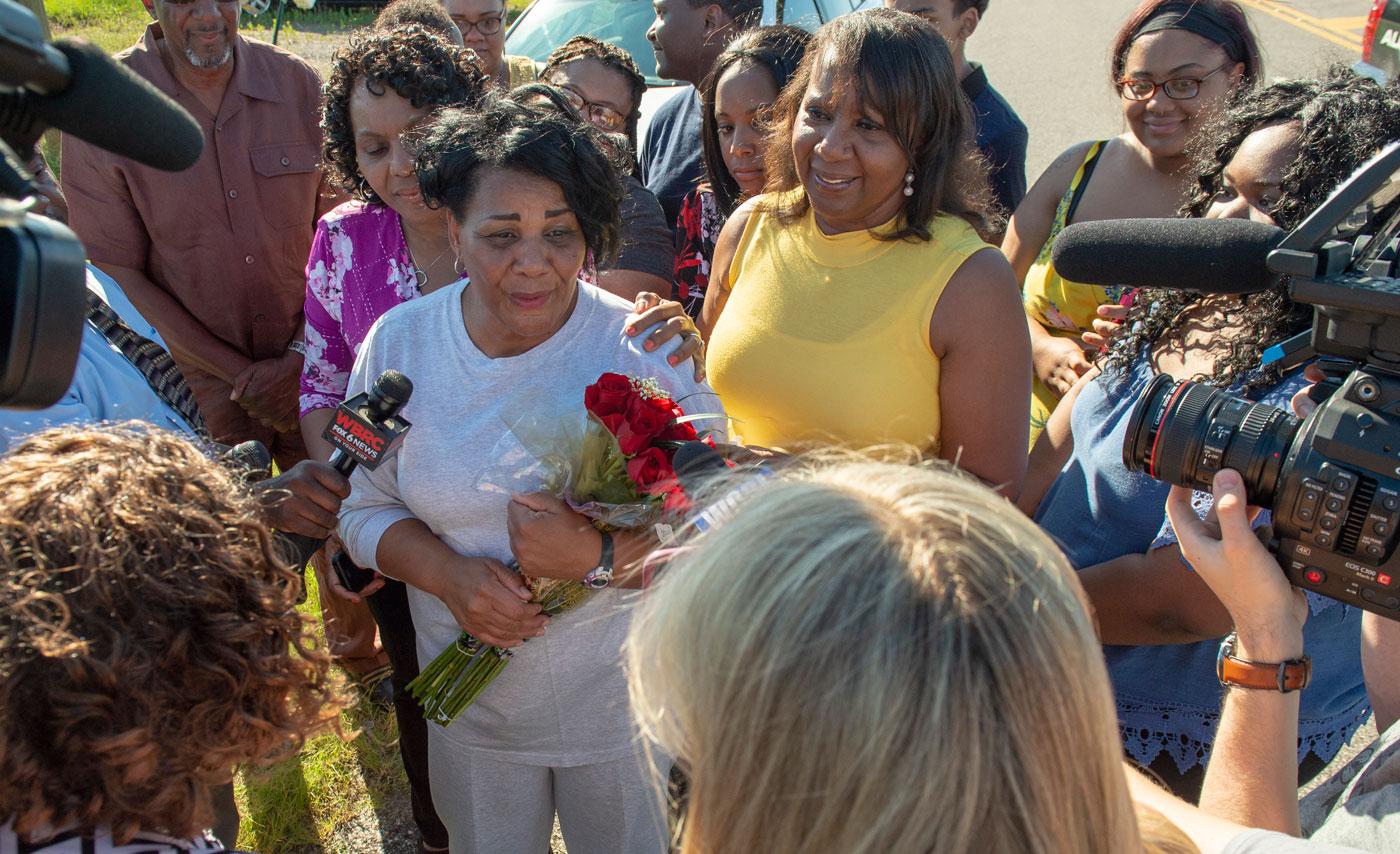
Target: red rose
(612,422)
(609,395)
(652,472)
(676,503)
(682,432)
(644,422)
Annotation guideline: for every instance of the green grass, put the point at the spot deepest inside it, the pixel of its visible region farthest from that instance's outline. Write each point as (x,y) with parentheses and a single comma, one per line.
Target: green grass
(298,804)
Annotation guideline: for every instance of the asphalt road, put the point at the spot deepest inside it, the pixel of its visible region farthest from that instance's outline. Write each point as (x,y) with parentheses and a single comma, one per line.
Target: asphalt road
(1049,58)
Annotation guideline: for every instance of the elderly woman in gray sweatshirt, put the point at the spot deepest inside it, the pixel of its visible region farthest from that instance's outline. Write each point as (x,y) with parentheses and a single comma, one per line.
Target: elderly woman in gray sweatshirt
(530,194)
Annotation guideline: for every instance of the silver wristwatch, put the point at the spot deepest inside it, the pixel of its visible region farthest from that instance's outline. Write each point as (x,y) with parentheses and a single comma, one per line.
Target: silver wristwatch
(601,575)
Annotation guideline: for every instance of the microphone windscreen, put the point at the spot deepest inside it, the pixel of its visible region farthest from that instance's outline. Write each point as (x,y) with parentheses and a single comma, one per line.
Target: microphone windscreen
(393,388)
(252,458)
(695,463)
(1219,256)
(110,106)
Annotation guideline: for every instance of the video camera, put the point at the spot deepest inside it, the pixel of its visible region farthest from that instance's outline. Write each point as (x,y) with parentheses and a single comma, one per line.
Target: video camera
(74,87)
(1331,480)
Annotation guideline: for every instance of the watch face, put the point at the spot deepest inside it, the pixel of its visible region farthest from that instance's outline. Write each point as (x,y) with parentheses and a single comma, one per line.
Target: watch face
(598,578)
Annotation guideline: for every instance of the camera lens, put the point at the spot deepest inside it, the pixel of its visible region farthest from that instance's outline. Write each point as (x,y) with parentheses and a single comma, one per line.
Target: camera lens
(1185,432)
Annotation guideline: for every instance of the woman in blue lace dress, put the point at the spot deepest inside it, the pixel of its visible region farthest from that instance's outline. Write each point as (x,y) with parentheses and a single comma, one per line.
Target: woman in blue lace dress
(1278,155)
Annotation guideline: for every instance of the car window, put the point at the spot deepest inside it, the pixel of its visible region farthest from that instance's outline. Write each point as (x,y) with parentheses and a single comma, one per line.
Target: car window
(800,13)
(549,23)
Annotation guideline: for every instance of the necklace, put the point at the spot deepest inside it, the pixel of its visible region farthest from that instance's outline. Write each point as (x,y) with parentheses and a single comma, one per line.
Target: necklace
(420,274)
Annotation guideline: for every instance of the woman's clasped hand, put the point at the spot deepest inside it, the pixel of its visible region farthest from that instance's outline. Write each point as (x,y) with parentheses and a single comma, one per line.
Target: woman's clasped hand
(489,600)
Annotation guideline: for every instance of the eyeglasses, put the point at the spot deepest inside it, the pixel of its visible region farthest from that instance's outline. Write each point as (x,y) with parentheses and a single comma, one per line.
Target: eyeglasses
(486,26)
(1177,88)
(599,115)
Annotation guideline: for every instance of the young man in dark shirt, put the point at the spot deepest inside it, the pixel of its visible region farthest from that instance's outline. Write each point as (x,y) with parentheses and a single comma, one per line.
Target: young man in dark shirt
(1001,135)
(687,36)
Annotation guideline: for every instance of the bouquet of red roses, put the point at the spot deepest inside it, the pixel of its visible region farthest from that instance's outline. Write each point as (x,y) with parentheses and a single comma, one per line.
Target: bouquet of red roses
(618,473)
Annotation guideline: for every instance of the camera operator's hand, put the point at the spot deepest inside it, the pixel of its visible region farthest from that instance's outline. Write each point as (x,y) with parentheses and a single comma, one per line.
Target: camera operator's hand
(1107,325)
(1303,405)
(304,499)
(1059,362)
(269,391)
(1267,611)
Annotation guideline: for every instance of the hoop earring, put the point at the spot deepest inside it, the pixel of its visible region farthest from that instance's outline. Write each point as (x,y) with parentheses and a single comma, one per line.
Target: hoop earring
(363,189)
(909,183)
(458,268)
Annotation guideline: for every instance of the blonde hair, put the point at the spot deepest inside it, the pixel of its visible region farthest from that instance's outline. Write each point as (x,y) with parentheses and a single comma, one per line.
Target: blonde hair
(872,657)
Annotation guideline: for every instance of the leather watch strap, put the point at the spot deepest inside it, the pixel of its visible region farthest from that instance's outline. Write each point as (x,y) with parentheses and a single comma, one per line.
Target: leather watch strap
(1283,676)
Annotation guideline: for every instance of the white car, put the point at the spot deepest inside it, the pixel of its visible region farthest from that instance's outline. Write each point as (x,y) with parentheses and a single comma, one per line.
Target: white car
(546,24)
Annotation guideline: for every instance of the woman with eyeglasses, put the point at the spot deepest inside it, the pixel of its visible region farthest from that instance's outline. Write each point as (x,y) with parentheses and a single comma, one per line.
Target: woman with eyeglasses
(1174,63)
(1276,154)
(483,27)
(602,83)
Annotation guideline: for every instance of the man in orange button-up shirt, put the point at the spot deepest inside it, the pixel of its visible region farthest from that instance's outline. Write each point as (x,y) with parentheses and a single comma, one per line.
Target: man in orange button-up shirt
(215,256)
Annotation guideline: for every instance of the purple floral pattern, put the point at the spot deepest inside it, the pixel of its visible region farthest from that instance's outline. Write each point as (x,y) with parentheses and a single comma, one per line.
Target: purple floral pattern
(359,269)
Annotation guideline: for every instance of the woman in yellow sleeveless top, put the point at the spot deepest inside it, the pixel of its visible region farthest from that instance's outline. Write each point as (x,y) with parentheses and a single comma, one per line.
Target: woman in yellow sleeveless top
(858,305)
(1174,63)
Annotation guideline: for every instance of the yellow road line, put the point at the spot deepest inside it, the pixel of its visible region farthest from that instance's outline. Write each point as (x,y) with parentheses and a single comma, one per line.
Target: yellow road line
(1322,28)
(1355,22)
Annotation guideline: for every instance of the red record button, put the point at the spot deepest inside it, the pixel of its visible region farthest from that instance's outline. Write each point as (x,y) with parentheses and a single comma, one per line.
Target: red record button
(1315,575)
(1383,580)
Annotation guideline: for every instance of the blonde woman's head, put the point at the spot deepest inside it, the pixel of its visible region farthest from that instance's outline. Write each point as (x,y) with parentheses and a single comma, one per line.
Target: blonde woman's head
(874,657)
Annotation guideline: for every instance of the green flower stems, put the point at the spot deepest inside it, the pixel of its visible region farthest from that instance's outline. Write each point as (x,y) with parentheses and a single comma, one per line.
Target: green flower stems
(454,679)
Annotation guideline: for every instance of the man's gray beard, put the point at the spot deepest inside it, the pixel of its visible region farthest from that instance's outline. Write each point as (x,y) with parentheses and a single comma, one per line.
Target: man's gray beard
(200,62)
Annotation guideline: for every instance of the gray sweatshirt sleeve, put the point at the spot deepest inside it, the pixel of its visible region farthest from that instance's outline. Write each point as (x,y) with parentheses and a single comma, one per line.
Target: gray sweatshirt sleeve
(374,503)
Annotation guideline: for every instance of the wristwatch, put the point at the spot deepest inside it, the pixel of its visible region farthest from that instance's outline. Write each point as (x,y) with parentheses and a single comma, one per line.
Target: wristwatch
(1284,676)
(601,575)
(297,347)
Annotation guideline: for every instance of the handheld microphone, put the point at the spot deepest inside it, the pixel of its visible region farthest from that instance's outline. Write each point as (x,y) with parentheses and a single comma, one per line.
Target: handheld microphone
(77,88)
(1215,256)
(365,429)
(695,464)
(250,460)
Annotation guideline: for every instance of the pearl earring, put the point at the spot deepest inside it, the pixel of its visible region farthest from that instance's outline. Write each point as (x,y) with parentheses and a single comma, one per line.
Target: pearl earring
(909,183)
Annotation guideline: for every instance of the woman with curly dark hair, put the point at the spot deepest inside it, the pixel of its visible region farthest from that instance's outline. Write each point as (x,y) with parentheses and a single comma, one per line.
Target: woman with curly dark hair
(530,192)
(383,248)
(149,642)
(1276,157)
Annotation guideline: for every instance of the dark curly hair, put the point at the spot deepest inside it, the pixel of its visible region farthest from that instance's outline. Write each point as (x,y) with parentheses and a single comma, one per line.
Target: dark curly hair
(428,14)
(614,57)
(149,637)
(901,67)
(508,132)
(777,50)
(420,66)
(1342,120)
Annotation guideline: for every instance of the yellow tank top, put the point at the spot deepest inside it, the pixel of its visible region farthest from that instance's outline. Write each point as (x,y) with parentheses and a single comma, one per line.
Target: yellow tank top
(825,339)
(1062,306)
